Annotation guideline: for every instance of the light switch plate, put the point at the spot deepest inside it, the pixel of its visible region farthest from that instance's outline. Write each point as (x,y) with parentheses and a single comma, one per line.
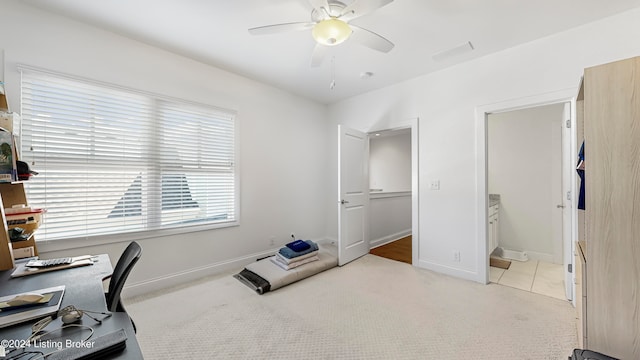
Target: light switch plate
(434,185)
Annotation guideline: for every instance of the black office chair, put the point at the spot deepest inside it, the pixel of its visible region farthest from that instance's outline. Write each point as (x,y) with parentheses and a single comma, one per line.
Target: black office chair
(125,264)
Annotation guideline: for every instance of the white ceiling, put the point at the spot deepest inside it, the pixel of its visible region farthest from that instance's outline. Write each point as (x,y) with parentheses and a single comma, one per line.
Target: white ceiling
(215,32)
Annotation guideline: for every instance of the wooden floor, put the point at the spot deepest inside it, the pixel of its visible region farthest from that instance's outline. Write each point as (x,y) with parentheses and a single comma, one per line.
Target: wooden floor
(399,250)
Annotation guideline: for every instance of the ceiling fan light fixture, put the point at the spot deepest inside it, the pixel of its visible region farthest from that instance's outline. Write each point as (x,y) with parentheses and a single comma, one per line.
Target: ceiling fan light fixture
(331,32)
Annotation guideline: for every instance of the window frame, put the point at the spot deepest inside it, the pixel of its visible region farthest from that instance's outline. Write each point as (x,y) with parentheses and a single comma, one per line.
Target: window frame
(147,233)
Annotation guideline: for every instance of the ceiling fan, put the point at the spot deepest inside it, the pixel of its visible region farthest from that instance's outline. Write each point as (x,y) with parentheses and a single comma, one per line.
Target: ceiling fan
(330,25)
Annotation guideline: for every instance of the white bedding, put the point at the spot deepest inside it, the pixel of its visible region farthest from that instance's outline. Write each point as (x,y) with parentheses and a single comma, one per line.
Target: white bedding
(278,277)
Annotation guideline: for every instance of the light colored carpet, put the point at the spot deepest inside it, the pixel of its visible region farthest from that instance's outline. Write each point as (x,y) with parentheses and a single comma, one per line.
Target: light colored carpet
(372,308)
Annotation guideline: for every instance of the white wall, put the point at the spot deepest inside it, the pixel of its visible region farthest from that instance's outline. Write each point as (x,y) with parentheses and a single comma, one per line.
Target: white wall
(283,142)
(524,160)
(390,217)
(390,162)
(446,101)
(390,171)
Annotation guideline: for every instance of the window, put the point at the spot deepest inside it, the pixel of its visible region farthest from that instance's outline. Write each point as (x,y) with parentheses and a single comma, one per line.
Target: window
(112,160)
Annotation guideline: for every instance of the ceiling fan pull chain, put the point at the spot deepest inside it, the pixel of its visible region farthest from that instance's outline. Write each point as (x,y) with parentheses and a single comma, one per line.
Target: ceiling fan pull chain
(333,73)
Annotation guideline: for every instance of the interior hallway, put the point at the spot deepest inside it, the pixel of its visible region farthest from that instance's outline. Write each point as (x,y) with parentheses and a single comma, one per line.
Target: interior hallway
(399,250)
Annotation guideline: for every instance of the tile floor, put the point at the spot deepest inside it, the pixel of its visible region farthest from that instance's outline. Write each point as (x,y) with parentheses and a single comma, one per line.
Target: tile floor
(535,276)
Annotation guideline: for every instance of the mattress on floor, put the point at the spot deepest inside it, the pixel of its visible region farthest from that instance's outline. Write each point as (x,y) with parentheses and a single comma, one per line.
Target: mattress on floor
(263,275)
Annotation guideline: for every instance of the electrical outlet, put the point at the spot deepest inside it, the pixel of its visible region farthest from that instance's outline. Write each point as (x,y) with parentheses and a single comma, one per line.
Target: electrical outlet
(456,255)
(434,185)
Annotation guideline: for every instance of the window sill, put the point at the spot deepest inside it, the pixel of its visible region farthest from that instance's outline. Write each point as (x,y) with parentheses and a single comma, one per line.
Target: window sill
(80,242)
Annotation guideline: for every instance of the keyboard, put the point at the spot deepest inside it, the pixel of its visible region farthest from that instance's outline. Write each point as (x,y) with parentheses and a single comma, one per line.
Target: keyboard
(49,263)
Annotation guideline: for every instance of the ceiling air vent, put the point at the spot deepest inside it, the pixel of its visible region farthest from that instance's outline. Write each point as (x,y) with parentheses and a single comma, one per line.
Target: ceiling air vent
(454,51)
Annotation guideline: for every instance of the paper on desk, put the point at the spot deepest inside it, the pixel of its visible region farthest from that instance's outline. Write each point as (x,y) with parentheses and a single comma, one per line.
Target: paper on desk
(45,299)
(22,270)
(15,316)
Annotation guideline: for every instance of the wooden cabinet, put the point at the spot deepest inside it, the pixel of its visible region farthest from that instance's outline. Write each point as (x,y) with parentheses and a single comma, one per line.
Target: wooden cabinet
(494,218)
(609,112)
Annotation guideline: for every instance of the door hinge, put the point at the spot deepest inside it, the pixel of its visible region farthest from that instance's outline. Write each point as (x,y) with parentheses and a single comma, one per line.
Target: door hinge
(568,124)
(570,268)
(569,195)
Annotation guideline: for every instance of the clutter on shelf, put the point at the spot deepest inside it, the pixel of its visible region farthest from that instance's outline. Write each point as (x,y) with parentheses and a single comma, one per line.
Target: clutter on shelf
(20,221)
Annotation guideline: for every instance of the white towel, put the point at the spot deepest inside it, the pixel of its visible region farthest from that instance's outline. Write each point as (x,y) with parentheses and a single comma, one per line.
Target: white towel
(285,260)
(295,264)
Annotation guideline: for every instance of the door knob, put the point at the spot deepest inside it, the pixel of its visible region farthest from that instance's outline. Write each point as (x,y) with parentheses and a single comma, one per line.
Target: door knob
(560,206)
(343,202)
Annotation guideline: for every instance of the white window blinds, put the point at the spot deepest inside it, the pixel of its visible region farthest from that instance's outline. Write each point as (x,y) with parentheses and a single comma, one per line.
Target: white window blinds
(113,160)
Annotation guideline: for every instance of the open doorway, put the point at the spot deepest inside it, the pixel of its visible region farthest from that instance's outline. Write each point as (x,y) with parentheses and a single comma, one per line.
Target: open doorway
(390,197)
(524,181)
(354,238)
(569,221)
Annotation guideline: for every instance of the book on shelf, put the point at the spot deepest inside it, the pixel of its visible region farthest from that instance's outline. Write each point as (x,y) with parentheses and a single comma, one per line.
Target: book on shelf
(7,157)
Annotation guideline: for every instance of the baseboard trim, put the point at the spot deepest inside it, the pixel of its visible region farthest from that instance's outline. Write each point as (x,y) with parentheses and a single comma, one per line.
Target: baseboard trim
(448,270)
(182,277)
(544,257)
(175,279)
(389,238)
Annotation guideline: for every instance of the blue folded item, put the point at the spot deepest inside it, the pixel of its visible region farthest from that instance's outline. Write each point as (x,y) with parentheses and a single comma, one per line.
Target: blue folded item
(290,254)
(298,245)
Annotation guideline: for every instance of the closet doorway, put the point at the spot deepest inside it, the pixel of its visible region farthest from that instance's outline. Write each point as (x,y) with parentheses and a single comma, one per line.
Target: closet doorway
(390,200)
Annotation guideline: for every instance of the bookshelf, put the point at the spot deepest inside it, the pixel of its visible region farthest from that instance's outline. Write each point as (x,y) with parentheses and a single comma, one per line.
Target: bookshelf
(12,194)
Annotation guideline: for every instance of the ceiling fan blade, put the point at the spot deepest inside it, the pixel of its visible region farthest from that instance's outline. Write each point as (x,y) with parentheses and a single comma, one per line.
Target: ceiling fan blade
(370,39)
(280,28)
(318,55)
(361,7)
(319,4)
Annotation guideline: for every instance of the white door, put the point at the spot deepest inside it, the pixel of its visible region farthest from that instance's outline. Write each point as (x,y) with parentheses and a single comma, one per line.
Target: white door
(567,204)
(353,194)
(556,201)
(561,223)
